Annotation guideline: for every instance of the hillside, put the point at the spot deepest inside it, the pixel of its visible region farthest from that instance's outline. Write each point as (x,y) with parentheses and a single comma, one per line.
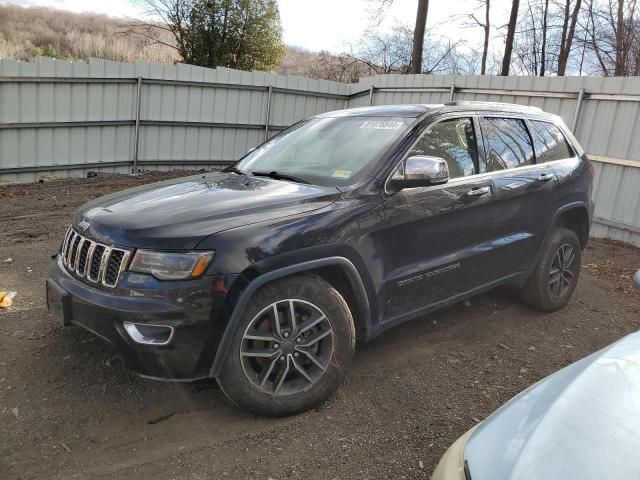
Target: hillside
(30,32)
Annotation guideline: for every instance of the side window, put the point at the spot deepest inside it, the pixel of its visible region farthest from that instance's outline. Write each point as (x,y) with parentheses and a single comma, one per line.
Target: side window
(453,140)
(507,142)
(549,142)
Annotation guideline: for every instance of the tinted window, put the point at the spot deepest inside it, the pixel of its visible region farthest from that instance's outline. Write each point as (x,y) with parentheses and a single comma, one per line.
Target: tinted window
(549,142)
(507,142)
(453,140)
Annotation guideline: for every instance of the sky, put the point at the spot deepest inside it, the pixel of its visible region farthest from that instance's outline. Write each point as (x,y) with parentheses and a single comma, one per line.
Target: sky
(331,25)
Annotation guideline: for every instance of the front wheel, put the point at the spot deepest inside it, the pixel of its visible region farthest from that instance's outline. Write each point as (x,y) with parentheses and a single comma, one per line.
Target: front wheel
(552,283)
(291,348)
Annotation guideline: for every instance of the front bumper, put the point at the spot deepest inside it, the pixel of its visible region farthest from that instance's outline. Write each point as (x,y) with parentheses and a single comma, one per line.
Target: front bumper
(451,466)
(197,310)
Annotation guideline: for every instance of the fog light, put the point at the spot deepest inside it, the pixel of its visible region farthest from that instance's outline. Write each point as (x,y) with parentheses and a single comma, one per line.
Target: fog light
(149,334)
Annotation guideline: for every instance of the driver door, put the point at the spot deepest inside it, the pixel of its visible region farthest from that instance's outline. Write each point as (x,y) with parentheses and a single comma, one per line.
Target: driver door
(438,239)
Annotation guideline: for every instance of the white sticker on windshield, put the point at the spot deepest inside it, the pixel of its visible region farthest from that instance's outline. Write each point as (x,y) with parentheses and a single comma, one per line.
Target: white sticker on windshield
(341,173)
(381,124)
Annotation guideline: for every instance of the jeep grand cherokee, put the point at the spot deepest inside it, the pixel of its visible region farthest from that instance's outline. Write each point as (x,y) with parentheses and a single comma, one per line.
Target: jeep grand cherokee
(264,276)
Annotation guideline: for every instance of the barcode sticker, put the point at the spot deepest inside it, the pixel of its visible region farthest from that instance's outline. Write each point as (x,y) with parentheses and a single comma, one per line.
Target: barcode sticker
(381,124)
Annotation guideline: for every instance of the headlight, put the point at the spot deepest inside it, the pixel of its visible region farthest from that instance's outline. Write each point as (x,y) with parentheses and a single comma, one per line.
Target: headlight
(171,266)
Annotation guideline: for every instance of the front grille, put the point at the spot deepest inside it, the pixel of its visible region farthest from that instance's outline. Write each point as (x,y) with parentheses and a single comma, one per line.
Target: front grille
(113,267)
(94,264)
(93,261)
(82,256)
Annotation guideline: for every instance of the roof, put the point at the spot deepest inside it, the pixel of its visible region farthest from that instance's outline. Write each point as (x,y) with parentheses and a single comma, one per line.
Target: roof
(382,111)
(417,110)
(474,105)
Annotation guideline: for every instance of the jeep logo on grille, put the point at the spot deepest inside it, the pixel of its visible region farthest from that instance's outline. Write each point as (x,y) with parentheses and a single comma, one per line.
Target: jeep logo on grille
(84,224)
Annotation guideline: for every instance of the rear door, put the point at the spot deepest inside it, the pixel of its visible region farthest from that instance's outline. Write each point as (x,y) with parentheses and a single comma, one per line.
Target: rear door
(553,148)
(524,192)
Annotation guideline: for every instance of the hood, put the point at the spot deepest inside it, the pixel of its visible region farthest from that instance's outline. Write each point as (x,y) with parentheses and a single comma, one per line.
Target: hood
(581,422)
(179,213)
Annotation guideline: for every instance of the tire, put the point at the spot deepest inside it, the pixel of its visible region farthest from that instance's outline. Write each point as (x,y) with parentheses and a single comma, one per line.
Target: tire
(269,370)
(561,255)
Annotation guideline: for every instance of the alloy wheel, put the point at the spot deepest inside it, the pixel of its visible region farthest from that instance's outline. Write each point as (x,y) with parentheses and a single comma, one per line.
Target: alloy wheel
(561,275)
(287,347)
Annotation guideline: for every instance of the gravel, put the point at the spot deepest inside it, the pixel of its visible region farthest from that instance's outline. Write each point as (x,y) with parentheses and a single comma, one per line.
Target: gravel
(69,408)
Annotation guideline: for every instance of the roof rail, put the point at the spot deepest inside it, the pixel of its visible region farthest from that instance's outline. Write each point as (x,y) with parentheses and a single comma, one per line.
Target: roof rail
(472,103)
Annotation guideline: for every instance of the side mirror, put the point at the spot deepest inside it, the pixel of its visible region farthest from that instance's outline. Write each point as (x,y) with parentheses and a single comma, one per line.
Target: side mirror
(636,278)
(420,171)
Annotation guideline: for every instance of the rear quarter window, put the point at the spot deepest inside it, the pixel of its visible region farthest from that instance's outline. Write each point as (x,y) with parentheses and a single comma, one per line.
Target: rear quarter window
(549,142)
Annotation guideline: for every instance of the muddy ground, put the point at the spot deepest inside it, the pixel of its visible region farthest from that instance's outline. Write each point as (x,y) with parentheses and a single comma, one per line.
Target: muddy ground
(69,408)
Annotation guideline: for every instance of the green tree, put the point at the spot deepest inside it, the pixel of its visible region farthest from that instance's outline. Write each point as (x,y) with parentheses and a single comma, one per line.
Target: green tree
(47,50)
(242,34)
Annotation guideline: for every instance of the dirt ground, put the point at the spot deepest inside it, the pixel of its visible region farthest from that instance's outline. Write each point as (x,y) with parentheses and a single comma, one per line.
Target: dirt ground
(69,408)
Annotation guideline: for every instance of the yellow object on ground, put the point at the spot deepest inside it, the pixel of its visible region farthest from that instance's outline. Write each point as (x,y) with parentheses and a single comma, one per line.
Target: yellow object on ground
(6,299)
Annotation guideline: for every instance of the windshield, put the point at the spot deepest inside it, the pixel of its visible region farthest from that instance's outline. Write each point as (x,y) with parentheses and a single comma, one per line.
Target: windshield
(332,151)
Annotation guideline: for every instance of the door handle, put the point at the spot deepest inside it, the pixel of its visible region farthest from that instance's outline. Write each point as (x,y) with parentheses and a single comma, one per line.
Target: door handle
(478,192)
(545,177)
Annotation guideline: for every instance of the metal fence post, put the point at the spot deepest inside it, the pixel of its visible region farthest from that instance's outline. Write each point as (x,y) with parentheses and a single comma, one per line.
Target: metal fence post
(371,89)
(576,114)
(136,134)
(452,93)
(268,119)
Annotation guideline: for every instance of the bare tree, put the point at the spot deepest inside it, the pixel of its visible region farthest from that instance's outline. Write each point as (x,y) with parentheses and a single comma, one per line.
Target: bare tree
(487,31)
(377,11)
(165,17)
(612,37)
(418,36)
(324,65)
(392,52)
(528,57)
(619,39)
(385,52)
(473,21)
(583,43)
(595,39)
(568,33)
(339,68)
(627,38)
(544,36)
(543,48)
(511,29)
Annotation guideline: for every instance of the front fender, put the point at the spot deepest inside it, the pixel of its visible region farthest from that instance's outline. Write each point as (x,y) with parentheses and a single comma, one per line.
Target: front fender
(262,279)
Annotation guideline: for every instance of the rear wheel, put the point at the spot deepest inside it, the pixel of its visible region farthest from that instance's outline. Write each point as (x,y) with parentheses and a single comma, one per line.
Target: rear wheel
(291,349)
(552,283)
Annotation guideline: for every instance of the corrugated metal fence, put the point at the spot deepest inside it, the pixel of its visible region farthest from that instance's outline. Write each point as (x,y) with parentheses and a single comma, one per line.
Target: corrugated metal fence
(59,117)
(65,118)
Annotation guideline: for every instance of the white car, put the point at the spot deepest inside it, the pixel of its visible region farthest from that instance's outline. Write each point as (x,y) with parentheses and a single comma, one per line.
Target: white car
(582,422)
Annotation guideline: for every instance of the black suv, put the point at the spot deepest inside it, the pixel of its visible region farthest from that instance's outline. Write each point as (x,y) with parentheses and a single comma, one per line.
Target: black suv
(266,275)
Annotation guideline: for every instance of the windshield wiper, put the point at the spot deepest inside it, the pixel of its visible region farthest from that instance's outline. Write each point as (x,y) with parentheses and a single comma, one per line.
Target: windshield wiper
(235,170)
(279,176)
